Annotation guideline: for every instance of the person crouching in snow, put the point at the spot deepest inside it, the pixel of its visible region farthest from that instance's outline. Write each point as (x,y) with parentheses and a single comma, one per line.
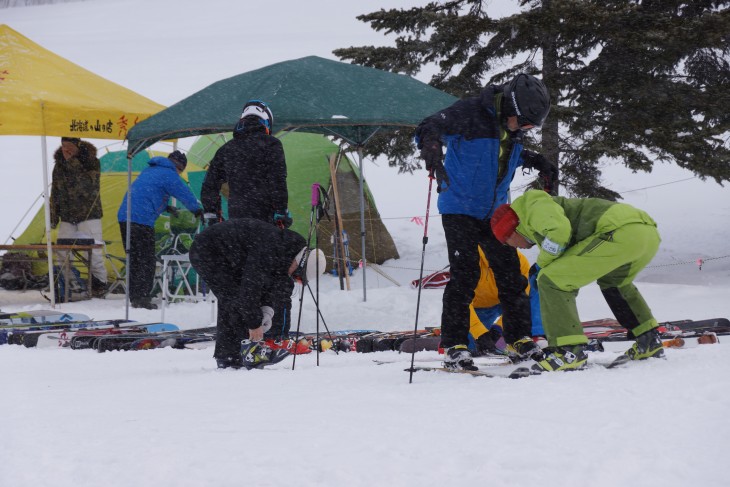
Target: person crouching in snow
(243,261)
(486,329)
(583,240)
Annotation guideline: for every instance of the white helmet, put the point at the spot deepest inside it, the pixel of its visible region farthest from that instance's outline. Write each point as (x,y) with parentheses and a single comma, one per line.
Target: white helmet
(308,264)
(260,109)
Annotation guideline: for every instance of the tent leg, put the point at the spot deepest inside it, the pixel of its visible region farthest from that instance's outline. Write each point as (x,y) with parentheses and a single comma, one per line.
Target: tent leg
(128,236)
(47,211)
(362,226)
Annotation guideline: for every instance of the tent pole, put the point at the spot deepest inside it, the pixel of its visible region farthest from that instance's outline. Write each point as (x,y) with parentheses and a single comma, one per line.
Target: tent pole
(47,211)
(128,236)
(362,225)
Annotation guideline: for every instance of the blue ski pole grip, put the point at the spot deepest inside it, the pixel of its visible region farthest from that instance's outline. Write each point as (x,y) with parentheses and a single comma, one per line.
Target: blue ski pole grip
(315,194)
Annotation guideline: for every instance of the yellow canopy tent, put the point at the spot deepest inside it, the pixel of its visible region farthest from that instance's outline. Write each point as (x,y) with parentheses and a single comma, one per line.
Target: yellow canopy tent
(44,94)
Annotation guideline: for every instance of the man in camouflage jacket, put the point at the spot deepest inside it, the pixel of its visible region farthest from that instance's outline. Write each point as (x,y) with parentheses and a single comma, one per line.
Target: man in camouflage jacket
(76,201)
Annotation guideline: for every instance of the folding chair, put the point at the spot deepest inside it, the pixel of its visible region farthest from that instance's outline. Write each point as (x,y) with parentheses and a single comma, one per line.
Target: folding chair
(119,271)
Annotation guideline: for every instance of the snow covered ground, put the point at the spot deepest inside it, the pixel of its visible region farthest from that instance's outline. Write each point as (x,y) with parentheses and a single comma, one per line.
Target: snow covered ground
(168,417)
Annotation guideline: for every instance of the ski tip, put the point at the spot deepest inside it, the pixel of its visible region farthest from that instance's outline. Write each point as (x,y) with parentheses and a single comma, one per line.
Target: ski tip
(620,360)
(521,372)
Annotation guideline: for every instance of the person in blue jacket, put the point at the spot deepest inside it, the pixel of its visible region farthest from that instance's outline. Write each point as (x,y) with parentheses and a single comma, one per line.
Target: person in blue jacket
(483,139)
(151,192)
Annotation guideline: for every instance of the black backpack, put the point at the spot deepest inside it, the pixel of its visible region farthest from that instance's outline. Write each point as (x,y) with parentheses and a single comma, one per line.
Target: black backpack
(16,273)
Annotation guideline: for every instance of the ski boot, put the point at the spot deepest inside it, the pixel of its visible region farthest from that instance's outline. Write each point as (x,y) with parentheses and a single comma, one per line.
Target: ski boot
(594,345)
(99,288)
(229,362)
(296,347)
(568,357)
(647,345)
(524,349)
(256,355)
(145,303)
(459,358)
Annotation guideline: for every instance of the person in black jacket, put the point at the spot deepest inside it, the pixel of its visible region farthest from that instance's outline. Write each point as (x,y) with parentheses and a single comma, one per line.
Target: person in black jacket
(244,262)
(254,166)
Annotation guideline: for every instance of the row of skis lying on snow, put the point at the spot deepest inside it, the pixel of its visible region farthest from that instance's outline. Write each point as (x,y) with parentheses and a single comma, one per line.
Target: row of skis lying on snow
(54,329)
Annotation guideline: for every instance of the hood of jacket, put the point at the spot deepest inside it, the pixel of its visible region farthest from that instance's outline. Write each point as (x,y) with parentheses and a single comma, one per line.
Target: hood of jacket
(486,98)
(248,125)
(161,161)
(86,151)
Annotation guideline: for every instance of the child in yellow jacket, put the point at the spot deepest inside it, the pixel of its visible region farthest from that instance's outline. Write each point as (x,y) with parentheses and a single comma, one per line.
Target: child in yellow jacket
(485,311)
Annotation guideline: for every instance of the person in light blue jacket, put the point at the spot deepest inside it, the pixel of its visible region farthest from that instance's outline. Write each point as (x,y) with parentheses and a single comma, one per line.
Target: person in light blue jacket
(151,192)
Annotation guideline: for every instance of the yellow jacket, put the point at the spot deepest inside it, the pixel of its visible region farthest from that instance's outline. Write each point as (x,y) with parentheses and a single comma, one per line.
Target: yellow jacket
(486,296)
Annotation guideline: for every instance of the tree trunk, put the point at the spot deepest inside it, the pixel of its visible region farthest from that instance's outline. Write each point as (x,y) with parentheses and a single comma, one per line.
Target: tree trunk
(551,78)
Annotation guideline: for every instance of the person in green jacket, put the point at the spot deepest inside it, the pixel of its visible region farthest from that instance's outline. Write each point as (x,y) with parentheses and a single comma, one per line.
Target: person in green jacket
(583,240)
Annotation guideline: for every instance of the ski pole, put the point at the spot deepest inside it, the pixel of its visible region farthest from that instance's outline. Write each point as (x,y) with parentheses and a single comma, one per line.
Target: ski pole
(420,277)
(320,315)
(303,263)
(315,205)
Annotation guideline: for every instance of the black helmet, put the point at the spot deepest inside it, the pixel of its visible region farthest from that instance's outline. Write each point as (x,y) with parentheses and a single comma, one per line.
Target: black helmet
(180,160)
(529,99)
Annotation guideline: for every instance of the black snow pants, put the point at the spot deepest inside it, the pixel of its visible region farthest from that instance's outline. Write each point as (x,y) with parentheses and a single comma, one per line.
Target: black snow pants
(463,236)
(282,299)
(223,276)
(142,261)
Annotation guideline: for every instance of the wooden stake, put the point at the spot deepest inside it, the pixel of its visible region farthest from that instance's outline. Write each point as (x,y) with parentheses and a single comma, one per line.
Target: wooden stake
(338,217)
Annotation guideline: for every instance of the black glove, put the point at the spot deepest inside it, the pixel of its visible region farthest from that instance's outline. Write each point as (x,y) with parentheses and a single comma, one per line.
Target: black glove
(198,213)
(210,219)
(533,160)
(548,172)
(432,154)
(549,179)
(282,218)
(487,342)
(532,276)
(172,211)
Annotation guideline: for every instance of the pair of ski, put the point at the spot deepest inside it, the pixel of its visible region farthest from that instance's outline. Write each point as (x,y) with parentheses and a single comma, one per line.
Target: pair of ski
(368,341)
(610,330)
(39,316)
(339,340)
(390,341)
(517,373)
(48,334)
(92,334)
(15,334)
(147,339)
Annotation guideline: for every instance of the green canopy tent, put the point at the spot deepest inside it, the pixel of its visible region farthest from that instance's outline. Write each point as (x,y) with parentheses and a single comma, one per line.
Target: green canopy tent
(310,94)
(305,159)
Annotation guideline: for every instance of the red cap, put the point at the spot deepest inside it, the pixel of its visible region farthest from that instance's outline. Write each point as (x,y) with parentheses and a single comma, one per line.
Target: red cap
(504,222)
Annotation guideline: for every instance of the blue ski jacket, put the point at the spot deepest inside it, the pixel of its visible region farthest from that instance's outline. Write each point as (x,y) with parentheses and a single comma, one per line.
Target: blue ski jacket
(470,129)
(151,192)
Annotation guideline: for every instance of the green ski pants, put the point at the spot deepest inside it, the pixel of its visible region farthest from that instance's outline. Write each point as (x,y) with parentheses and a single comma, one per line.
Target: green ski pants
(612,260)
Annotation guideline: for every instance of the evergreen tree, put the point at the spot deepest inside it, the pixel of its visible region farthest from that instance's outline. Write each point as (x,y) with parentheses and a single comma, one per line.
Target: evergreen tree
(635,81)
